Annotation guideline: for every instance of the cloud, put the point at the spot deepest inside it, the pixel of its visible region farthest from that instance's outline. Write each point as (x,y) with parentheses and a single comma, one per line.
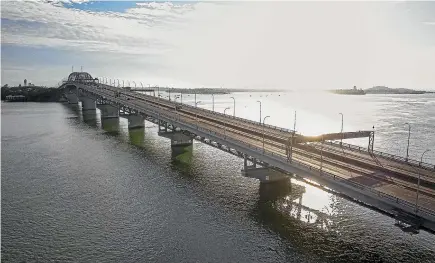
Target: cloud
(280,44)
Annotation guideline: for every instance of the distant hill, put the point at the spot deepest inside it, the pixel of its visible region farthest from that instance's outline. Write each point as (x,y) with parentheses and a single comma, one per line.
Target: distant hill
(387,90)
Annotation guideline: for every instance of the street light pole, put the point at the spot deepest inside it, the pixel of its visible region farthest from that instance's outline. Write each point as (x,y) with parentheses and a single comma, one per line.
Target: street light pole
(321,155)
(212,97)
(418,184)
(263,130)
(409,136)
(292,139)
(225,126)
(196,112)
(234,110)
(341,141)
(260,109)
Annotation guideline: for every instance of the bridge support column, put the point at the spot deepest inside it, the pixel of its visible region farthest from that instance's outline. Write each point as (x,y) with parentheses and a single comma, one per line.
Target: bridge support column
(110,125)
(88,103)
(72,98)
(135,121)
(108,111)
(178,139)
(264,174)
(137,136)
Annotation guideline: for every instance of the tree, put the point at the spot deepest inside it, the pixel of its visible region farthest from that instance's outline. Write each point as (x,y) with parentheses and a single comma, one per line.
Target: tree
(5,86)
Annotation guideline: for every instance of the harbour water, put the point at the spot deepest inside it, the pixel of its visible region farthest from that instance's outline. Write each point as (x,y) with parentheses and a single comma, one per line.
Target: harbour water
(78,189)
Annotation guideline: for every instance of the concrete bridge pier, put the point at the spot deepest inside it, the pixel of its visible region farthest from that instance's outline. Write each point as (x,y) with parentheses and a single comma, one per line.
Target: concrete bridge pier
(135,121)
(178,139)
(88,103)
(137,136)
(72,98)
(110,125)
(108,111)
(264,174)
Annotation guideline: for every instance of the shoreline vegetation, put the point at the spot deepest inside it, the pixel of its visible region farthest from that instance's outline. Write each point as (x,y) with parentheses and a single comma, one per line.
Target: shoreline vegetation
(31,93)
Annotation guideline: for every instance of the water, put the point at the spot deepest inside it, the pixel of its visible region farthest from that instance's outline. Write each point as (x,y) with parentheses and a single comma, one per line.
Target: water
(75,189)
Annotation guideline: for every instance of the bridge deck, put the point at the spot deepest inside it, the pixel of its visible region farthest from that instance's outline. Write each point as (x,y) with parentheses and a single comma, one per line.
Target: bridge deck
(388,177)
(333,136)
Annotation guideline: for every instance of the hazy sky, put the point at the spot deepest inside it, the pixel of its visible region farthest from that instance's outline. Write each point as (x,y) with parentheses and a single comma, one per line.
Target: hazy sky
(294,45)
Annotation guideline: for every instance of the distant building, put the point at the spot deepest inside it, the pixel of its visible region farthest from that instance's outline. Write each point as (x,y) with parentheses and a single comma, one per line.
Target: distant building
(25,82)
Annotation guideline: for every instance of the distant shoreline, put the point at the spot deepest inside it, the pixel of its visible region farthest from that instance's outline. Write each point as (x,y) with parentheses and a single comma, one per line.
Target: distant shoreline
(213,90)
(31,94)
(379,90)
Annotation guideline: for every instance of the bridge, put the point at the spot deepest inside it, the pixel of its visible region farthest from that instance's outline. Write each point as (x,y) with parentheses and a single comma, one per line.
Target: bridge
(402,188)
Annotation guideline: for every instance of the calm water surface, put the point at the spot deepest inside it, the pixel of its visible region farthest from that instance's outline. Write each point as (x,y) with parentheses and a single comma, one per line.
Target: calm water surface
(76,189)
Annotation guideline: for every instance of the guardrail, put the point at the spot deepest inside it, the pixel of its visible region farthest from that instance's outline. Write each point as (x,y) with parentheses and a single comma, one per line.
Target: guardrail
(416,163)
(239,119)
(159,112)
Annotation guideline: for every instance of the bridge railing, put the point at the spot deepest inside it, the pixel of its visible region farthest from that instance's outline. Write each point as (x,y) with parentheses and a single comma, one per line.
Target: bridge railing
(148,109)
(225,115)
(392,157)
(240,119)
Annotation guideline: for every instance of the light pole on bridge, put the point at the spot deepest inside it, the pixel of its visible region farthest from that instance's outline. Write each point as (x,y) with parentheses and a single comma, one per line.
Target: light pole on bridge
(134,83)
(212,98)
(321,155)
(196,112)
(260,109)
(409,136)
(341,141)
(225,126)
(292,139)
(263,129)
(418,184)
(234,110)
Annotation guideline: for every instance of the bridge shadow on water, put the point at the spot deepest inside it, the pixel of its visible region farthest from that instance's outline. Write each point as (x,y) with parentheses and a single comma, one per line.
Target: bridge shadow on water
(280,208)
